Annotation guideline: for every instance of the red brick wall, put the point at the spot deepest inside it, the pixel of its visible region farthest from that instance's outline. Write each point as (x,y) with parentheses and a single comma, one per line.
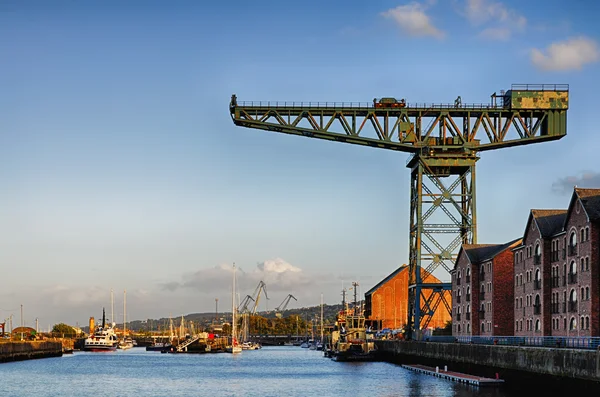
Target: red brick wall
(503,314)
(486,283)
(577,219)
(389,303)
(528,266)
(467,327)
(499,272)
(519,300)
(546,268)
(595,278)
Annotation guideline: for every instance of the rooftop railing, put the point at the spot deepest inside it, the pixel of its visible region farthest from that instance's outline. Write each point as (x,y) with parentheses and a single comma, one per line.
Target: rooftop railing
(539,87)
(362,105)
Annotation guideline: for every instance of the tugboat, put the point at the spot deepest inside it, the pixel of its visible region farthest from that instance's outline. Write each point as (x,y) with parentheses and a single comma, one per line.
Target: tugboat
(350,341)
(104,337)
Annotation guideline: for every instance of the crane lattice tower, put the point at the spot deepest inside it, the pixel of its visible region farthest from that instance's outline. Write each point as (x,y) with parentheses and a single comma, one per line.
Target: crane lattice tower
(444,141)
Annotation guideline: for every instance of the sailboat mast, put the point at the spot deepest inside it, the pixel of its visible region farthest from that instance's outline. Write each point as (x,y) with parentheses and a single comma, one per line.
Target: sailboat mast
(124,313)
(112,307)
(321,317)
(233,307)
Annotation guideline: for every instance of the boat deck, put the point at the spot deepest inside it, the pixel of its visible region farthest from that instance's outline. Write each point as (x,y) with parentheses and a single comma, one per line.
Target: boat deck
(455,376)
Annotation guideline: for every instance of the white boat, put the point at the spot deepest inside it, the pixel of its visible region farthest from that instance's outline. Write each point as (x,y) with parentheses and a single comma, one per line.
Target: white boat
(103,338)
(235,347)
(125,344)
(250,346)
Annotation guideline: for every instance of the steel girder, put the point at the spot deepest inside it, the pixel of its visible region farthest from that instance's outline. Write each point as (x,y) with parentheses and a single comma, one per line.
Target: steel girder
(408,129)
(442,185)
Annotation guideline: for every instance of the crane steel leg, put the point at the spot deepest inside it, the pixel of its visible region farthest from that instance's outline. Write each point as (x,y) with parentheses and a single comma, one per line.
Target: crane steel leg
(442,217)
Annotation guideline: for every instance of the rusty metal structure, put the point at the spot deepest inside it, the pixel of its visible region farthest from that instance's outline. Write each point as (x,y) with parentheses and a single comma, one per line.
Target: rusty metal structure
(444,141)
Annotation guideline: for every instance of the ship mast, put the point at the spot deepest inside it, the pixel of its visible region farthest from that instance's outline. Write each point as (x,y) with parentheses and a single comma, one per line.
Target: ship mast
(354,285)
(124,313)
(233,309)
(112,308)
(321,317)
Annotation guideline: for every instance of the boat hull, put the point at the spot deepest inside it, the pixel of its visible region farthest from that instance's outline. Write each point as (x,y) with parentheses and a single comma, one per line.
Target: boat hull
(351,356)
(99,348)
(158,348)
(234,349)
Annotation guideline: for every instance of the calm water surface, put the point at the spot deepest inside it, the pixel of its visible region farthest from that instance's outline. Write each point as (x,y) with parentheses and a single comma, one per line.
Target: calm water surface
(271,371)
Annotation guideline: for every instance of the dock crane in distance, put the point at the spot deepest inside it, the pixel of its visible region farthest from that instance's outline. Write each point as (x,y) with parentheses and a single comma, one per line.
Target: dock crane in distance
(246,312)
(243,307)
(444,141)
(281,308)
(260,287)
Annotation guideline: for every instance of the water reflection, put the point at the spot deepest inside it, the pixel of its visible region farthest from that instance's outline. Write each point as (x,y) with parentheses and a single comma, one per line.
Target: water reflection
(285,371)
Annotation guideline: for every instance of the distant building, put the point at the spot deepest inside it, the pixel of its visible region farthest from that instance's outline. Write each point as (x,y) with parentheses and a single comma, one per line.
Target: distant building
(24,332)
(78,331)
(533,273)
(387,302)
(482,290)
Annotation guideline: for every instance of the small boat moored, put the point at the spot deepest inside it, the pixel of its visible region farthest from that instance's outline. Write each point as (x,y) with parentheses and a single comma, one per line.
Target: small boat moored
(350,340)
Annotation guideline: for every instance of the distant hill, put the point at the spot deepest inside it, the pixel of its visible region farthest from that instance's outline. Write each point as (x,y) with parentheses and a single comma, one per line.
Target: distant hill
(206,319)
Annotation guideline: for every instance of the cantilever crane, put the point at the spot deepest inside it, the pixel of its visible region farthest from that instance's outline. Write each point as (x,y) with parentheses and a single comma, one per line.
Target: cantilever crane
(261,287)
(243,307)
(444,141)
(283,305)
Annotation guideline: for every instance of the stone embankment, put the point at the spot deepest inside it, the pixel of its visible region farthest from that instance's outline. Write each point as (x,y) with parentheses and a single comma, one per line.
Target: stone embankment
(517,361)
(27,350)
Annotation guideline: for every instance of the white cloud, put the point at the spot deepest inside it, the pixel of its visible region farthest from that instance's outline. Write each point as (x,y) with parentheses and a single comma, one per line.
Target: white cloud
(413,20)
(500,34)
(276,273)
(586,179)
(277,265)
(504,21)
(571,54)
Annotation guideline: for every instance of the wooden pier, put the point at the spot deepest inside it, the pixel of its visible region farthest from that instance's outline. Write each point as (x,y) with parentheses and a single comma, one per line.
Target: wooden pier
(455,376)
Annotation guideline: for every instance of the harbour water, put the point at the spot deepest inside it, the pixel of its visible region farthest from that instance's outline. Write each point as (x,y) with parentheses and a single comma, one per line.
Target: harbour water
(271,371)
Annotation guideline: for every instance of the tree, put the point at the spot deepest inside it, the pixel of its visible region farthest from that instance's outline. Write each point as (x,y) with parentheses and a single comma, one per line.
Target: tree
(64,329)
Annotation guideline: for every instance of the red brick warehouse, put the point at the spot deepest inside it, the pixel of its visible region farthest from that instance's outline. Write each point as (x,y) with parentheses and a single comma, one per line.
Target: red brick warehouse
(482,294)
(555,277)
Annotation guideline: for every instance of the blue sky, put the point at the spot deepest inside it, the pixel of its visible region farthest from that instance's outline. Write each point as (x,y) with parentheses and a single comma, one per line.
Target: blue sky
(121,167)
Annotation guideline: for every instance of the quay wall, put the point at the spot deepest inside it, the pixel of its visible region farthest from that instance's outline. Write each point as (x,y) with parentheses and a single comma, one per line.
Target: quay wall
(515,361)
(15,351)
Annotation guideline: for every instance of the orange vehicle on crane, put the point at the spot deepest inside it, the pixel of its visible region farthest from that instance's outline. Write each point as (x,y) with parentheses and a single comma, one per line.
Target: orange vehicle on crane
(389,102)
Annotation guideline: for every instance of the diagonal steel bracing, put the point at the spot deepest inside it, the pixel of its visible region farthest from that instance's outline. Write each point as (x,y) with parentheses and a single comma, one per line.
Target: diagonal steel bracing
(435,185)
